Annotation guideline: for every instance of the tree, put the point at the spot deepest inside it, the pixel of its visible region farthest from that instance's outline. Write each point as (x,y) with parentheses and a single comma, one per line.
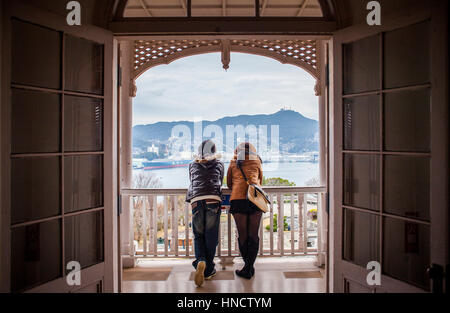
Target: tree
(277,181)
(275,224)
(142,180)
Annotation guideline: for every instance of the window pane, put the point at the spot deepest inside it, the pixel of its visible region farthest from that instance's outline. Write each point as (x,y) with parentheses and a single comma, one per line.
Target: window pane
(362,123)
(83,65)
(83,182)
(362,65)
(362,181)
(35,122)
(406,252)
(84,239)
(36,55)
(407,56)
(361,237)
(407,186)
(83,124)
(35,188)
(407,121)
(35,255)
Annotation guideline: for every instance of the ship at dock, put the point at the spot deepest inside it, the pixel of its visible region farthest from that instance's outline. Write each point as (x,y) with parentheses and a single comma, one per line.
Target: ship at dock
(159,164)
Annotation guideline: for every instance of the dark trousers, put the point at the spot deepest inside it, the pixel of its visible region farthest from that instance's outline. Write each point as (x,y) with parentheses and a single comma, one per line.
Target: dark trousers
(205,224)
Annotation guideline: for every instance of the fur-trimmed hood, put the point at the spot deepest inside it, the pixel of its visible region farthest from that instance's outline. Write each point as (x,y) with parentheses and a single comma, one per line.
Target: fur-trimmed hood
(208,158)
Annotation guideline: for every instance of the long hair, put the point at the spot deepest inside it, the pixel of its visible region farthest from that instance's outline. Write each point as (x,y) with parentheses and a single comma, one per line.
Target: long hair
(245,151)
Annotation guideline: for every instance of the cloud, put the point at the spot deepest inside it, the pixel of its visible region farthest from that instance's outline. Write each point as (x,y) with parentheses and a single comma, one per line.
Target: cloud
(198,86)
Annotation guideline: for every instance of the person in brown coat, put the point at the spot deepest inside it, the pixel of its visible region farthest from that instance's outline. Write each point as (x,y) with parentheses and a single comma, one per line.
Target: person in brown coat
(246,215)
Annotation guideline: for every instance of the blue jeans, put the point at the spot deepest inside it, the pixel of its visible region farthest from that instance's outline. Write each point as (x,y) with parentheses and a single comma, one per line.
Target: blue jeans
(205,224)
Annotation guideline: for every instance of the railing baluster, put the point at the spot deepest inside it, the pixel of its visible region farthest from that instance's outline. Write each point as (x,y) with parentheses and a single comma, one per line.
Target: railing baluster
(151,238)
(144,224)
(229,233)
(292,225)
(271,224)
(305,223)
(155,225)
(166,252)
(131,221)
(175,217)
(261,236)
(319,222)
(186,230)
(301,247)
(281,223)
(172,225)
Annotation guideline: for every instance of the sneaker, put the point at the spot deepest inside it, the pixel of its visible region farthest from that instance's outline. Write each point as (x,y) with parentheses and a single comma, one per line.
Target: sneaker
(210,276)
(199,277)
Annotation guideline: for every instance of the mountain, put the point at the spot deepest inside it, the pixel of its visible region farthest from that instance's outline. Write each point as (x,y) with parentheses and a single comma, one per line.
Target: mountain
(297,133)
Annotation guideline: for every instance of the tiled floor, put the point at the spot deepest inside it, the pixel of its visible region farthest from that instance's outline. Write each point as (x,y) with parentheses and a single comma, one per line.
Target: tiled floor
(269,277)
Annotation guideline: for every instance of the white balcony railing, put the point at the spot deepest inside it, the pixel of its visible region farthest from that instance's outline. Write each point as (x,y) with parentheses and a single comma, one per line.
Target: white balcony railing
(161,226)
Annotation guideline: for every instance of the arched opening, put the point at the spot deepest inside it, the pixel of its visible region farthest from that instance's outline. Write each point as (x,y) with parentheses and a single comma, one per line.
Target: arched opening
(278,100)
(277,93)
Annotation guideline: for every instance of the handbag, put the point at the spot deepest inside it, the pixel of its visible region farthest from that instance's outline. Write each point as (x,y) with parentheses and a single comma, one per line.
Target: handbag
(256,195)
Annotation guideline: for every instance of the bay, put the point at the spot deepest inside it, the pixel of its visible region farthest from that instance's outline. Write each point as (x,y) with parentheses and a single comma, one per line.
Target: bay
(298,172)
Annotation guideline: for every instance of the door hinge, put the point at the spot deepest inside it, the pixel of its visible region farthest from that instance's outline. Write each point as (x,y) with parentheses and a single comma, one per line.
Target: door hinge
(327,75)
(327,203)
(119,205)
(119,77)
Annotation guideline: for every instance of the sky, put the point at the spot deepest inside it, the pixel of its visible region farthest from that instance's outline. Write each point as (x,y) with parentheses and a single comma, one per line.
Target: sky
(198,88)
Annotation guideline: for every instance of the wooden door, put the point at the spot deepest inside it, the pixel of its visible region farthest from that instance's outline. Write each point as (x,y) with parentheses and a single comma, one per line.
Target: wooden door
(58,181)
(391,151)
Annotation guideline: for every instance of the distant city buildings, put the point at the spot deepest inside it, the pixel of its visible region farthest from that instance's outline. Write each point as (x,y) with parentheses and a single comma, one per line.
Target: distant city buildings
(153,149)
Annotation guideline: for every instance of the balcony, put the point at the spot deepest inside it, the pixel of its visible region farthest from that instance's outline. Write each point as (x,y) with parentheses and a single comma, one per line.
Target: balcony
(161,224)
(161,241)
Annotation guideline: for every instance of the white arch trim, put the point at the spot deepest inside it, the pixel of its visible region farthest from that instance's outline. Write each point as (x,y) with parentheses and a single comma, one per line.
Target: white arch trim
(304,54)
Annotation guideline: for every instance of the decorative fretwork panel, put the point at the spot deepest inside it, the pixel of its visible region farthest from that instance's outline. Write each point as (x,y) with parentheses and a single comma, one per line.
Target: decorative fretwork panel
(302,53)
(158,51)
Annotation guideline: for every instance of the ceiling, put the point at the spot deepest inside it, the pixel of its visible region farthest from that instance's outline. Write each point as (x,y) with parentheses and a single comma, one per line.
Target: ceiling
(210,8)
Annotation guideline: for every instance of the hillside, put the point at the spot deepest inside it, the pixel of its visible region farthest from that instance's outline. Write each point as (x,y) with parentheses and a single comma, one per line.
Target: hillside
(297,133)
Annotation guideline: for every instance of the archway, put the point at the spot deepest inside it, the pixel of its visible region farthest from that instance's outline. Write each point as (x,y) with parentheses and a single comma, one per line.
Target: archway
(146,54)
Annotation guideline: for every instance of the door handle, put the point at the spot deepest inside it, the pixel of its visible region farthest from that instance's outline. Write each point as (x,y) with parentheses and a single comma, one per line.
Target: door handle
(436,274)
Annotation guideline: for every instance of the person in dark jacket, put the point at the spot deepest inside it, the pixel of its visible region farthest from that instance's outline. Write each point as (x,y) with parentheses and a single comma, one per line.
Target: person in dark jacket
(206,174)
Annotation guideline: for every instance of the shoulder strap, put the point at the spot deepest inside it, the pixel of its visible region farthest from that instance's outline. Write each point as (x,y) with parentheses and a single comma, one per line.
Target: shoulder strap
(243,174)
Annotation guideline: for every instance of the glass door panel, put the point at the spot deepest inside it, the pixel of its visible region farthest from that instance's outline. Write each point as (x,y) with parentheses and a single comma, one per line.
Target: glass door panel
(362,123)
(361,64)
(407,56)
(36,121)
(361,237)
(406,252)
(35,254)
(36,55)
(407,121)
